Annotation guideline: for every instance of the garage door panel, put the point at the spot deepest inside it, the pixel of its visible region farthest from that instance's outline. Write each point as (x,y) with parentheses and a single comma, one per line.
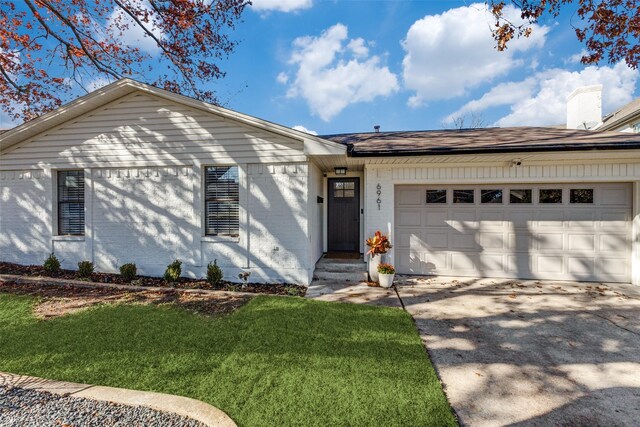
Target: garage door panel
(521,241)
(550,241)
(562,241)
(465,219)
(612,242)
(547,265)
(465,263)
(492,263)
(519,218)
(436,240)
(409,217)
(615,196)
(581,267)
(464,242)
(492,241)
(407,238)
(612,269)
(581,219)
(436,218)
(614,219)
(491,218)
(582,243)
(410,196)
(550,218)
(437,263)
(409,262)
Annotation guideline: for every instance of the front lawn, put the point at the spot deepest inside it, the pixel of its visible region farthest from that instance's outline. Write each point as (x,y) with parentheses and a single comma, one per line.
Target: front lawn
(275,361)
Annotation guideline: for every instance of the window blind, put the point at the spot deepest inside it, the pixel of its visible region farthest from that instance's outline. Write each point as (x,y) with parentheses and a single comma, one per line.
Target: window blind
(71,202)
(221,200)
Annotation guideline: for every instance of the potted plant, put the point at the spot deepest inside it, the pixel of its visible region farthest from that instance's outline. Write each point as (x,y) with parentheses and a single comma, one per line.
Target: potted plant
(386,273)
(378,245)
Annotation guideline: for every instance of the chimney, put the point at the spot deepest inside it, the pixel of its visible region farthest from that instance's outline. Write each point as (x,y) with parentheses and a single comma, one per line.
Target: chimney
(376,128)
(584,107)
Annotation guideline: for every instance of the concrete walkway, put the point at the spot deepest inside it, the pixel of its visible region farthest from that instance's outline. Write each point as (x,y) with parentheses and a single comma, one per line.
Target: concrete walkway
(527,353)
(184,406)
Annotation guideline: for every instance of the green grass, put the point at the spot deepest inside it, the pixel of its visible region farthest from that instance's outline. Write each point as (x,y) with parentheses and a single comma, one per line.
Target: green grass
(276,361)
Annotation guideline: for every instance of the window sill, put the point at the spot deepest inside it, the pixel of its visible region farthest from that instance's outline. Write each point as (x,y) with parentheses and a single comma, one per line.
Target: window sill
(68,238)
(220,239)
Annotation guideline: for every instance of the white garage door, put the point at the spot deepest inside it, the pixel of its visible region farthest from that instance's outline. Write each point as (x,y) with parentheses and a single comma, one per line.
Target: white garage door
(557,232)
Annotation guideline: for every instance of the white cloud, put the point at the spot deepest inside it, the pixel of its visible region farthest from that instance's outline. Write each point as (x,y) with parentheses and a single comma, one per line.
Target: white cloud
(132,34)
(448,54)
(541,99)
(304,129)
(333,72)
(282,78)
(280,5)
(97,83)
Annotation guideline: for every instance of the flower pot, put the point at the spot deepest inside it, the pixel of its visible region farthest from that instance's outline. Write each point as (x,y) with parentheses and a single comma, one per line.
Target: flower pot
(386,280)
(374,262)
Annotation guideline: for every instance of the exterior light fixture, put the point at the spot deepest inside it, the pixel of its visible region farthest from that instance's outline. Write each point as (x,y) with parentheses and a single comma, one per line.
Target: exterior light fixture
(341,171)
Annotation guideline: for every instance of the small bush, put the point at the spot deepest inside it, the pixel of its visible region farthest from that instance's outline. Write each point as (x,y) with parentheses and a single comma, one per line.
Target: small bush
(214,274)
(173,271)
(384,268)
(128,271)
(85,268)
(292,291)
(51,264)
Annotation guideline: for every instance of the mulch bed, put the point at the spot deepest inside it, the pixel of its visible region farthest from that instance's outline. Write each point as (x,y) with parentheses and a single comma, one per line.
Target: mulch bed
(58,300)
(183,283)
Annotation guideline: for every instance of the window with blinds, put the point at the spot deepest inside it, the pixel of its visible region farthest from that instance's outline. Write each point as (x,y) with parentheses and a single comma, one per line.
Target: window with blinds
(71,202)
(221,201)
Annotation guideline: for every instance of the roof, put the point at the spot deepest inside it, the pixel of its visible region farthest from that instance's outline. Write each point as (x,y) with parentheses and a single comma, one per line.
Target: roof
(620,116)
(313,145)
(486,140)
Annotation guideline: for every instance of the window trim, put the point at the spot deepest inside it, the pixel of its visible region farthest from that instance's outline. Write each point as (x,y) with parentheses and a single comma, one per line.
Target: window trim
(210,237)
(59,203)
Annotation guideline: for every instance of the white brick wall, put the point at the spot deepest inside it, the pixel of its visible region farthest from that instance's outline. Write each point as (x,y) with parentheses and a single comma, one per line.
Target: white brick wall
(25,206)
(151,215)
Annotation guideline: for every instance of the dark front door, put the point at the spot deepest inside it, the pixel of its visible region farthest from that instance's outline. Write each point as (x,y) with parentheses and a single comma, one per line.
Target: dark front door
(344,215)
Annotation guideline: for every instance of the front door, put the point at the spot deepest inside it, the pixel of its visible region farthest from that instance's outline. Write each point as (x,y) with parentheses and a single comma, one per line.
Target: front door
(344,215)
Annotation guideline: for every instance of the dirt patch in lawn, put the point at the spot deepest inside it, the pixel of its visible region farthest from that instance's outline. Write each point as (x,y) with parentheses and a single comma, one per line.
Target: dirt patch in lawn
(59,300)
(183,283)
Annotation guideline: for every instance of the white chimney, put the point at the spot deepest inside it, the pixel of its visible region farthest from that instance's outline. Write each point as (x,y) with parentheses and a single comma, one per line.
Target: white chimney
(584,107)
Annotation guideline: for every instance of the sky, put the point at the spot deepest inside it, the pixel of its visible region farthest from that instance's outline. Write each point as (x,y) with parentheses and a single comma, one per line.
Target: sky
(344,66)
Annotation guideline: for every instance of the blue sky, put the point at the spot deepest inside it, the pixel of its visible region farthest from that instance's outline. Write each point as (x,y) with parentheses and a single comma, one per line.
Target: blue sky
(417,64)
(344,66)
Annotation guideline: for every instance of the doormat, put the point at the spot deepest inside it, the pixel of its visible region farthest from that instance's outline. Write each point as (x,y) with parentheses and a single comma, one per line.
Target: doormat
(342,255)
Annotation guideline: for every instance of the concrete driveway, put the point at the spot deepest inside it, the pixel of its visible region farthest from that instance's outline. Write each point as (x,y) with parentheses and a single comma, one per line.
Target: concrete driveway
(531,353)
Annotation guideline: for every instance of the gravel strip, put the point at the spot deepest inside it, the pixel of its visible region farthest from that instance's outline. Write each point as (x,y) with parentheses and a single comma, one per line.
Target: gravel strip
(21,407)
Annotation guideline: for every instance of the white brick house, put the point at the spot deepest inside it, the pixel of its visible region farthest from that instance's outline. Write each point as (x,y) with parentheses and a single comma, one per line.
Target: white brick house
(131,173)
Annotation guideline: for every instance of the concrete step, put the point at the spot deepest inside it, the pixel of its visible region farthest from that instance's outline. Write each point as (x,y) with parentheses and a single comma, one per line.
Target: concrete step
(351,276)
(341,267)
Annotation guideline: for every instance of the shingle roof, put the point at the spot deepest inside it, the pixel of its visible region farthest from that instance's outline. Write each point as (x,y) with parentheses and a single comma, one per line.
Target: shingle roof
(487,140)
(620,116)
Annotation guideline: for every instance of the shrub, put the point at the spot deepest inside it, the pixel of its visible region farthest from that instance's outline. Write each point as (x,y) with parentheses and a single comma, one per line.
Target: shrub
(128,271)
(384,268)
(173,271)
(214,273)
(85,268)
(51,264)
(292,291)
(378,244)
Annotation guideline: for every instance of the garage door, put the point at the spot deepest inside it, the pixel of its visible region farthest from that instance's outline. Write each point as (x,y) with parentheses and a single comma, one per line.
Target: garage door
(557,232)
